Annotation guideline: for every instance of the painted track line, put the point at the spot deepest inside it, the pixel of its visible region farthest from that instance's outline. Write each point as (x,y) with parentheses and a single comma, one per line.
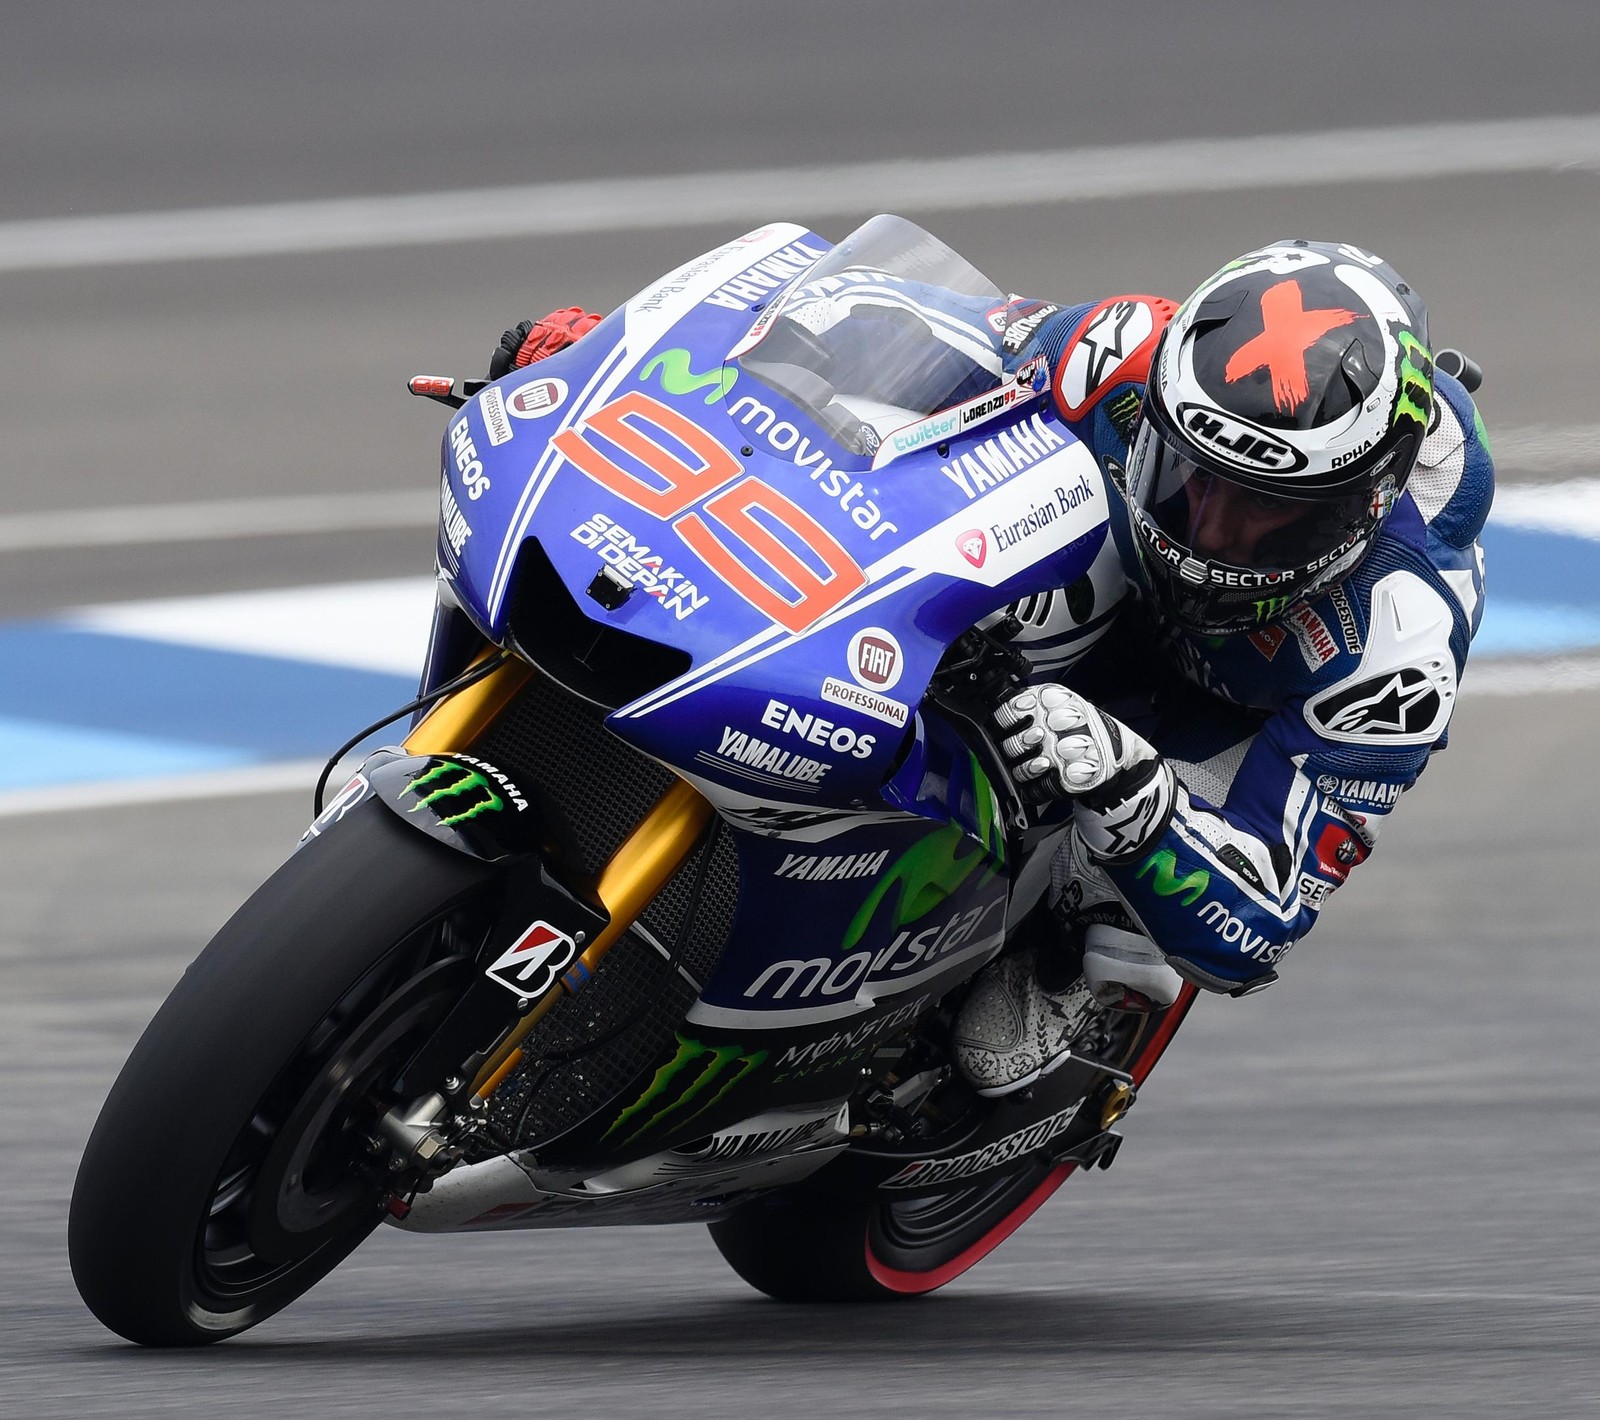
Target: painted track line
(299,775)
(1405,152)
(1571,505)
(219,520)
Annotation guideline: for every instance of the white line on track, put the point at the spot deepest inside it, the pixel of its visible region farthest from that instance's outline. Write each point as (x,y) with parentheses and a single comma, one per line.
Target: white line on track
(299,774)
(1571,505)
(1406,152)
(218,520)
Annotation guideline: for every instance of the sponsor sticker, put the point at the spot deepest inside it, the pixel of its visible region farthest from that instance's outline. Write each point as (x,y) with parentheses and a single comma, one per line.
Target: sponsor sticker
(494,415)
(786,439)
(1234,441)
(816,730)
(537,398)
(922,1172)
(620,551)
(990,463)
(469,467)
(453,526)
(346,799)
(876,660)
(831,867)
(1314,891)
(1317,647)
(974,546)
(1024,323)
(1403,705)
(868,702)
(1338,850)
(531,964)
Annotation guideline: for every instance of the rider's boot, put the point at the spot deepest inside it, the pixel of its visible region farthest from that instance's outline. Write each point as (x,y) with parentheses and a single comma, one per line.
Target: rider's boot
(1022,1015)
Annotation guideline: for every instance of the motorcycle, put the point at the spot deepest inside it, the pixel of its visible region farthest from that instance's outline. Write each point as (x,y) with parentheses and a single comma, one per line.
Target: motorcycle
(664,909)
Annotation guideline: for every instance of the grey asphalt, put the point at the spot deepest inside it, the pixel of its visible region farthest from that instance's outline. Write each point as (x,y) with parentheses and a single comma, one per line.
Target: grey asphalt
(1369,1190)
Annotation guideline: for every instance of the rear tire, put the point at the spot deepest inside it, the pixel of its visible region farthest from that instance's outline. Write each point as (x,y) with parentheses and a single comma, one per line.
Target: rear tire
(804,1245)
(224,1176)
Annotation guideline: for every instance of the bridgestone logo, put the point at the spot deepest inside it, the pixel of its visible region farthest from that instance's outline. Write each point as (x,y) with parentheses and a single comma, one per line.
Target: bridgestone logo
(1014,1146)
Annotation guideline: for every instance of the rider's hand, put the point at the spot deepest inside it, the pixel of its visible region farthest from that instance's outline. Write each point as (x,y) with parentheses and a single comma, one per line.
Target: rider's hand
(1122,789)
(534,339)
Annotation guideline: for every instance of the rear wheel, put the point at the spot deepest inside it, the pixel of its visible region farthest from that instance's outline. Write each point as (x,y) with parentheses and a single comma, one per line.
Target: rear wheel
(230,1168)
(802,1245)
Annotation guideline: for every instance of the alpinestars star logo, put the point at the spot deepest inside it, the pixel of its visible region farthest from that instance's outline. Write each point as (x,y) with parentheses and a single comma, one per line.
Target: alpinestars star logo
(1288,330)
(1405,702)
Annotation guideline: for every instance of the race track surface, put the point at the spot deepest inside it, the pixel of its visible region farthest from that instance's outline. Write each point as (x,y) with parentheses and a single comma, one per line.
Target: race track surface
(1369,1191)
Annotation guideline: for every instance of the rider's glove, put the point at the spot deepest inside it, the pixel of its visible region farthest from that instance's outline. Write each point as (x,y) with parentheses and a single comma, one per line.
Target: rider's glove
(1121,787)
(534,339)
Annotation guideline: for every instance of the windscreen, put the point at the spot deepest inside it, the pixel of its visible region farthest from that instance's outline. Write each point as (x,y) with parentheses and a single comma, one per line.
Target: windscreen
(889,327)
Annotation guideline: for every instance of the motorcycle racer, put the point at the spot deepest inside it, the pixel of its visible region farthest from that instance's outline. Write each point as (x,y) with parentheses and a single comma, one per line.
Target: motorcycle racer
(1297,494)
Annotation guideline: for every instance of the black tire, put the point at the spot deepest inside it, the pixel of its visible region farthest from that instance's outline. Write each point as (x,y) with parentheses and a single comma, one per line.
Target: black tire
(800,1246)
(805,1245)
(218,1184)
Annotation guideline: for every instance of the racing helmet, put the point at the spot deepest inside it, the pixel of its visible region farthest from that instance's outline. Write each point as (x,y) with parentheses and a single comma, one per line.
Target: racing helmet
(1286,405)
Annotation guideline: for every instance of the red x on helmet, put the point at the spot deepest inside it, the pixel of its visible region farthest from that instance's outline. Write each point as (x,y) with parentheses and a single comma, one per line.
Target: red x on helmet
(1287,403)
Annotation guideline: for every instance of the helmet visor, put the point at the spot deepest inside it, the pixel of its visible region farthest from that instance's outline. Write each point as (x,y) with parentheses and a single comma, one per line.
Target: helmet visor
(1215,520)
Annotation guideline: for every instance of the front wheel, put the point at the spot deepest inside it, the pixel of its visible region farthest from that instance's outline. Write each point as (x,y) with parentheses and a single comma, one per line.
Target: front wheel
(230,1168)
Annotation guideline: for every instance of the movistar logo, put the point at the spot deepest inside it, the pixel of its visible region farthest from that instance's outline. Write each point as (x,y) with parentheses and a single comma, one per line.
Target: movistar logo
(1415,400)
(678,378)
(1164,864)
(470,792)
(933,868)
(698,1075)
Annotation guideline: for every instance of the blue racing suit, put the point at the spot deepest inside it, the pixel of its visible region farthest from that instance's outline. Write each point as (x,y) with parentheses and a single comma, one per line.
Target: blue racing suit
(1291,743)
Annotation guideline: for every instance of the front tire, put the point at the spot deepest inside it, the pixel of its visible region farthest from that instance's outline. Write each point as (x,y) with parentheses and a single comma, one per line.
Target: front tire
(224,1176)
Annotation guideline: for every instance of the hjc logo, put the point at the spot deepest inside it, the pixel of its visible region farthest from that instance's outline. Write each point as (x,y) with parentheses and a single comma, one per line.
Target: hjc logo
(1237,440)
(974,546)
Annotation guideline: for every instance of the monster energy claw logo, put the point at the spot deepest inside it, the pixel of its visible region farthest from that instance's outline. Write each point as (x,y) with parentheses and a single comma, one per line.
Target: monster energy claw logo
(688,1079)
(678,378)
(447,780)
(1415,399)
(1166,883)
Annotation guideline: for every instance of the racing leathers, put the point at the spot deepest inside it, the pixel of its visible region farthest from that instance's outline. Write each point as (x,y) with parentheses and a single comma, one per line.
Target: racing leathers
(1289,744)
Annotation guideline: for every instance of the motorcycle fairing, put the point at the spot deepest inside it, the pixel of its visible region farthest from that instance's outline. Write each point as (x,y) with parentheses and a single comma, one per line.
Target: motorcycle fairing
(736,530)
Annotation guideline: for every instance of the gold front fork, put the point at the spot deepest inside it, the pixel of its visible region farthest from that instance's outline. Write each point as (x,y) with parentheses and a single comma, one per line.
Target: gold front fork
(457,720)
(636,872)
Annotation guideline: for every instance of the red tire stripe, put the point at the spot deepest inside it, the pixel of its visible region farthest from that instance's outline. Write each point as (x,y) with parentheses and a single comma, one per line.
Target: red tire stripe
(912,1282)
(897,1281)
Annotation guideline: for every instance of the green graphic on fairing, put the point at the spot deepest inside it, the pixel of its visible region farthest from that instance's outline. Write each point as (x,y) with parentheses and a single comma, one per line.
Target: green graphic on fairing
(449,780)
(935,867)
(678,378)
(1166,882)
(1269,608)
(1415,399)
(680,1086)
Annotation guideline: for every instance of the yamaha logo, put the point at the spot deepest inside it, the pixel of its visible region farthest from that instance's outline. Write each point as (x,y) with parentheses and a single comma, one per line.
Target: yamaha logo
(1233,441)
